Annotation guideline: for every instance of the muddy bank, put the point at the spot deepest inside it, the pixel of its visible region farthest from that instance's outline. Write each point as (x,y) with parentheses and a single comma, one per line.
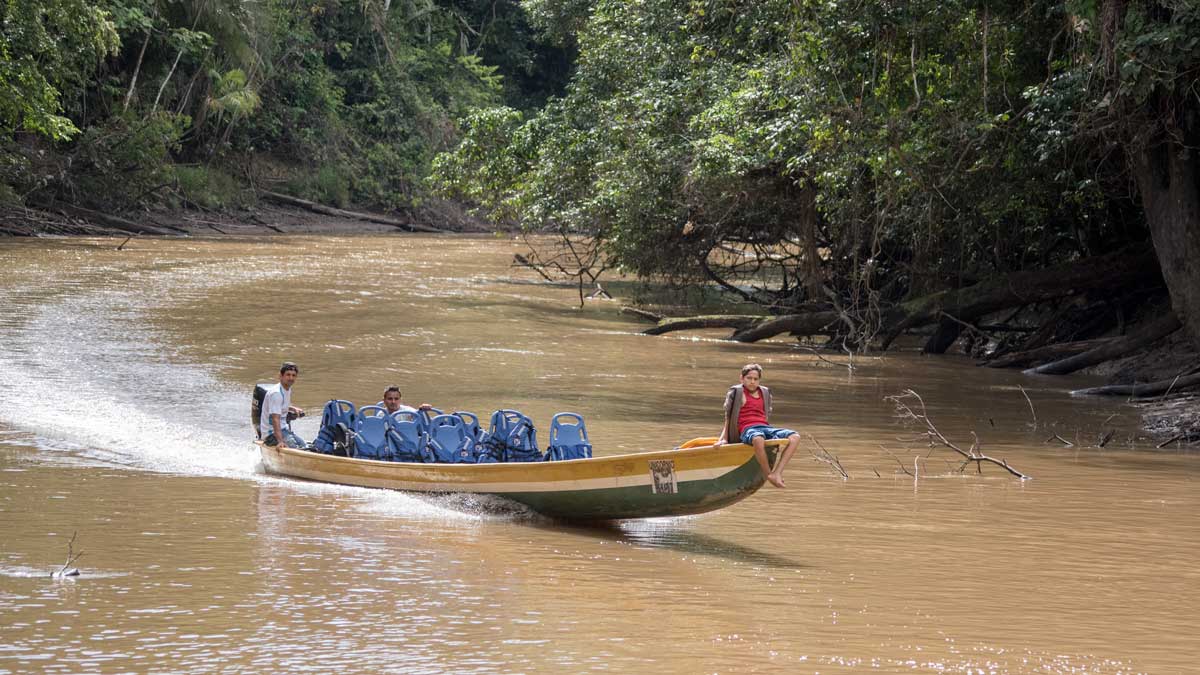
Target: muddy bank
(266,218)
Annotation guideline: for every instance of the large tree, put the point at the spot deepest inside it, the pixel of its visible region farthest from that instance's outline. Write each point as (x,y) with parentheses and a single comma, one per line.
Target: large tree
(1150,55)
(48,48)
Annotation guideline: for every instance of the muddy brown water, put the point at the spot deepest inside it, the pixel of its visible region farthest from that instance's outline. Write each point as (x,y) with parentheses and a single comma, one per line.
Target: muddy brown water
(124,381)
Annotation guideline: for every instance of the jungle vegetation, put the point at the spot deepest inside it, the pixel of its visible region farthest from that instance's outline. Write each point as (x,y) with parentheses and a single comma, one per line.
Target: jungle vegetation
(852,169)
(118,104)
(858,169)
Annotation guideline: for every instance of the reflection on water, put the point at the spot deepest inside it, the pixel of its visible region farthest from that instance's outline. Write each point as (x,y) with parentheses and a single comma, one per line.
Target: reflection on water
(669,534)
(124,379)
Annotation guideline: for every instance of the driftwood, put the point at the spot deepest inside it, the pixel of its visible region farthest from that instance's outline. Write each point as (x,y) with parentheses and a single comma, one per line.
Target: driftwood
(107,220)
(908,413)
(735,321)
(1116,270)
(811,323)
(342,213)
(1151,332)
(67,570)
(1044,354)
(967,305)
(1141,390)
(641,313)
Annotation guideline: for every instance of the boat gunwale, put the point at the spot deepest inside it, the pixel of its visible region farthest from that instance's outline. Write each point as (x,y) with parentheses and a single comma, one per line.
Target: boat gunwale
(301,453)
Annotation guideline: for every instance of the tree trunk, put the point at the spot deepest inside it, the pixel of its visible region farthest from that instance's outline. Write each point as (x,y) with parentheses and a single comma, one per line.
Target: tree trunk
(108,220)
(166,79)
(1118,270)
(136,69)
(342,213)
(1141,390)
(1043,354)
(1115,270)
(1168,178)
(947,332)
(812,254)
(736,321)
(1151,332)
(811,323)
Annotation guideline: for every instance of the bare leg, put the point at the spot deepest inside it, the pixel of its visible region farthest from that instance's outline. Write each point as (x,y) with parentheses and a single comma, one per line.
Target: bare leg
(776,476)
(760,452)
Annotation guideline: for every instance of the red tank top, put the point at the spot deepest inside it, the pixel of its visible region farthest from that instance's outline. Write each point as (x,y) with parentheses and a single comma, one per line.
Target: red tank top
(752,411)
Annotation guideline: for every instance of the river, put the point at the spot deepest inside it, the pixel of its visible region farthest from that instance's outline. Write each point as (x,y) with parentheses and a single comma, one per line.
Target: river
(125,379)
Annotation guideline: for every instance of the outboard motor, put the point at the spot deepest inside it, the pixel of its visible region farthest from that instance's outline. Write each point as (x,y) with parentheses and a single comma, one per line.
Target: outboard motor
(256,403)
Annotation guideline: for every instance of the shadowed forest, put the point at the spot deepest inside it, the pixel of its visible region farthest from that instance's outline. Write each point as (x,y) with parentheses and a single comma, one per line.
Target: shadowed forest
(1017,181)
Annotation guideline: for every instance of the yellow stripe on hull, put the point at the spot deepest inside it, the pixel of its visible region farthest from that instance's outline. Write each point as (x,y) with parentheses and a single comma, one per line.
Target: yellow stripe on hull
(678,482)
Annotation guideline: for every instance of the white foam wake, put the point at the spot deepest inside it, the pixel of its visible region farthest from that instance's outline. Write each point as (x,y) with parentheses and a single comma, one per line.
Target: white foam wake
(81,369)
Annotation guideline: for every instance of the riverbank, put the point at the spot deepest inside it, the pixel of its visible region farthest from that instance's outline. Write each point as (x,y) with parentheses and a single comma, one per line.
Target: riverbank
(265,218)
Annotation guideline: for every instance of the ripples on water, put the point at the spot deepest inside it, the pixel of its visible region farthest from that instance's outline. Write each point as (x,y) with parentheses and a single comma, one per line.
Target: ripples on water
(124,379)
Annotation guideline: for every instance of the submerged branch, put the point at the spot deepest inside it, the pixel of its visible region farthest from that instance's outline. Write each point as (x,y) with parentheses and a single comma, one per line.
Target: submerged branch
(920,415)
(66,570)
(828,458)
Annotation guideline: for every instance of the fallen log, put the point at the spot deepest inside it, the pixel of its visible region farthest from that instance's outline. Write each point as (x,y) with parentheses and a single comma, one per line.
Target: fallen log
(735,321)
(108,220)
(810,323)
(641,313)
(1115,270)
(1043,354)
(289,200)
(1151,332)
(1141,390)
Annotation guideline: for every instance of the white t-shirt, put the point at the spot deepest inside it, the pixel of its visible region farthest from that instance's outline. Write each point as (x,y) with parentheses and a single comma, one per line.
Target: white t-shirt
(277,402)
(402,408)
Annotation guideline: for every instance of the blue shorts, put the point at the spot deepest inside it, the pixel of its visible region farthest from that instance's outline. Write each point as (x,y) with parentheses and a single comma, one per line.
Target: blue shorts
(293,440)
(767,433)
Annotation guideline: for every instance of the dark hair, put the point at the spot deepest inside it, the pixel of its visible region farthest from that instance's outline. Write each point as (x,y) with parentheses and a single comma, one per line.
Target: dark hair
(288,365)
(751,366)
(391,388)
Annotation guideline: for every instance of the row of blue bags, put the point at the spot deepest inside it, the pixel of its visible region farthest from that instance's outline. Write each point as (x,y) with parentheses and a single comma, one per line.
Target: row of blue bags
(456,438)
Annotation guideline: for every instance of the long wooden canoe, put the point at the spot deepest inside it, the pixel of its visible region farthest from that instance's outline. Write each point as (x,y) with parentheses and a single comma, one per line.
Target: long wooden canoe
(692,479)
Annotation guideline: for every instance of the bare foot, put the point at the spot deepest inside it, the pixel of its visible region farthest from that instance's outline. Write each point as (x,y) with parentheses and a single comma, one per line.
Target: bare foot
(777,481)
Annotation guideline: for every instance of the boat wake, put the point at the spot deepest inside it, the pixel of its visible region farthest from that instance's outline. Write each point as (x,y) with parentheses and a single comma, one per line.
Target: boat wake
(84,374)
(86,380)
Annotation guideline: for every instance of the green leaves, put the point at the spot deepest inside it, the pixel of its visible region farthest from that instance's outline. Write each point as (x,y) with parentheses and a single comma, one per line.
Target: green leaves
(48,48)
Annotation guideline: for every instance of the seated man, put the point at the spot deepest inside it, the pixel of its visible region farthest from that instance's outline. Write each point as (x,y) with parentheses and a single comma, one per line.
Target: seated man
(391,401)
(278,411)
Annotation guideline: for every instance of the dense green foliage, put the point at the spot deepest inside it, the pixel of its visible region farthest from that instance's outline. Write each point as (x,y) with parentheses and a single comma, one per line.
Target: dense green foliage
(864,151)
(799,153)
(121,102)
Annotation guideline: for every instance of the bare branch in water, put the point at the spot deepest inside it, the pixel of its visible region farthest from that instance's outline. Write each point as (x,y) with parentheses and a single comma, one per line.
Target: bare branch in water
(828,458)
(66,570)
(898,462)
(1031,411)
(814,352)
(906,411)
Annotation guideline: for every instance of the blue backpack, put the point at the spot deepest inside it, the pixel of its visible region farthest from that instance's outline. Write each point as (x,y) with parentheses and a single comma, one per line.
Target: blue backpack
(337,419)
(513,438)
(408,438)
(449,440)
(568,438)
(369,437)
